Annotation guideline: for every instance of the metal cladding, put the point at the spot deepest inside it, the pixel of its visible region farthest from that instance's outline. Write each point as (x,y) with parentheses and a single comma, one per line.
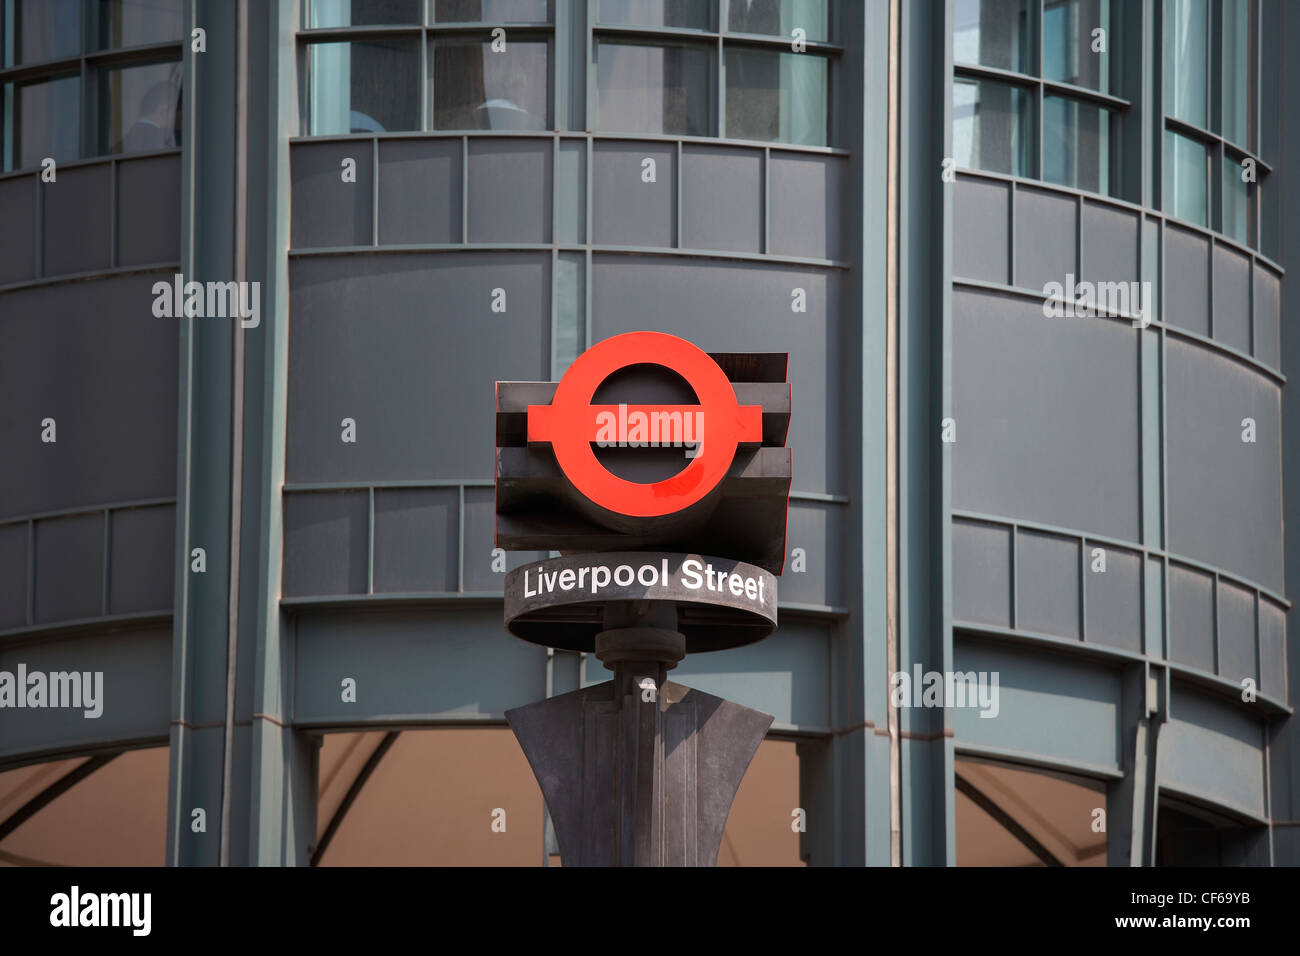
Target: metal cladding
(595,461)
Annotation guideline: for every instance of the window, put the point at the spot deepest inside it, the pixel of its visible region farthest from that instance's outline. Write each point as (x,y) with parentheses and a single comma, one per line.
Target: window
(391,73)
(119,93)
(1212,171)
(666,67)
(1032,91)
(989,126)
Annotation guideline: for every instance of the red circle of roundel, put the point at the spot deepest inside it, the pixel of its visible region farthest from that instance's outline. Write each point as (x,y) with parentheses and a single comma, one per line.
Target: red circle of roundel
(569,424)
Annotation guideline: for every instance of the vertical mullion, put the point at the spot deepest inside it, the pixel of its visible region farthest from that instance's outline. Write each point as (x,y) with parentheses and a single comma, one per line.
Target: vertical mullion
(31,571)
(1015,575)
(1083,589)
(1215,598)
(590,33)
(767,200)
(1011,235)
(113,213)
(103,591)
(374,190)
(720,89)
(370,542)
(677,188)
(460,539)
(426,77)
(464,189)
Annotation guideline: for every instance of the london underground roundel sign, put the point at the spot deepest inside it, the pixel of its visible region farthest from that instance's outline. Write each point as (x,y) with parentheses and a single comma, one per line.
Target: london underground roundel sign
(718,425)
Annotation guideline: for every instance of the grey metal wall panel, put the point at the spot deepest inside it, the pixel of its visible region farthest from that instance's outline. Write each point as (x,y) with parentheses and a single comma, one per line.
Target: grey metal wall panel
(326,543)
(92,356)
(13,575)
(1224,494)
(819,529)
(1268,342)
(141,569)
(701,301)
(1046,246)
(326,210)
(1236,608)
(1048,593)
(407,345)
(78,209)
(1110,244)
(1191,617)
(510,190)
(416,539)
(419,190)
(69,567)
(480,526)
(1186,283)
(414,665)
(18,237)
(571,192)
(148,210)
(1210,749)
(1047,415)
(722,198)
(1232,298)
(787,675)
(981,573)
(1272,649)
(627,211)
(980,223)
(136,690)
(808,193)
(1049,705)
(1114,599)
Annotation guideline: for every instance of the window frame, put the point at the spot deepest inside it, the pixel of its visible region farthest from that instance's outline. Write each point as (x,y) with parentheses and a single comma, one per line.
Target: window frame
(90,66)
(427,32)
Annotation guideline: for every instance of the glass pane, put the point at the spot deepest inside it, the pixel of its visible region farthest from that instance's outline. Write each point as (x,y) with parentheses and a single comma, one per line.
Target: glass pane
(992,33)
(1068,41)
(474,88)
(136,22)
(45,118)
(776,96)
(1270,222)
(43,30)
(1076,144)
(490,11)
(657,13)
(1236,201)
(140,108)
(1186,178)
(1236,70)
(780,17)
(1185,60)
(653,89)
(364,87)
(988,126)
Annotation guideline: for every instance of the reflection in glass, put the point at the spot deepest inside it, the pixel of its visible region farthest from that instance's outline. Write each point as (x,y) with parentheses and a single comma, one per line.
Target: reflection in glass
(43,30)
(1236,201)
(653,89)
(780,17)
(690,14)
(1185,60)
(353,13)
(1076,144)
(1186,179)
(139,108)
(1236,70)
(490,11)
(363,87)
(776,96)
(1068,56)
(474,88)
(137,22)
(988,126)
(992,33)
(41,119)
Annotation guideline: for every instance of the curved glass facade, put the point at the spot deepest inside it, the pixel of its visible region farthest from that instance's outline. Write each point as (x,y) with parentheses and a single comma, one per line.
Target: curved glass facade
(1026,259)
